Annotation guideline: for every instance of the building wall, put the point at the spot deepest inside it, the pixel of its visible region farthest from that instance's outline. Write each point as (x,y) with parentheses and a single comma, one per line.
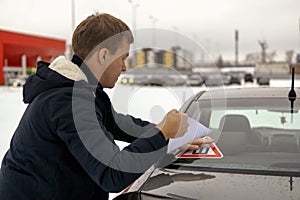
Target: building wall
(14,45)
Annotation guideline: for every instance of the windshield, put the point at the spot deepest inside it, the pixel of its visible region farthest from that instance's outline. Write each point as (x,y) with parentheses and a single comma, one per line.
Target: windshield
(253,137)
(259,118)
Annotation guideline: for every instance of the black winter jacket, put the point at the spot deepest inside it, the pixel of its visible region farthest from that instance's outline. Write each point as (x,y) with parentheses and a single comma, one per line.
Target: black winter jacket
(63,147)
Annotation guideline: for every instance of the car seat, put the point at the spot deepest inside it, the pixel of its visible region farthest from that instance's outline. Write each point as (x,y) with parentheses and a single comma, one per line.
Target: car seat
(235,130)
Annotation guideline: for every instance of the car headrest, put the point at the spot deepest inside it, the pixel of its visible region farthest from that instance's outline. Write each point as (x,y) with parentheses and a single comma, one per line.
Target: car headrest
(234,123)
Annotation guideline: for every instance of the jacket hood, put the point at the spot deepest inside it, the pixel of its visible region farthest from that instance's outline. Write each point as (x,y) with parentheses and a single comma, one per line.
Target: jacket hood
(60,73)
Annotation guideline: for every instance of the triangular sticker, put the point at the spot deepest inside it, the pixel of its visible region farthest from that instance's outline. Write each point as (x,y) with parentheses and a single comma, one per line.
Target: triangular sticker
(206,151)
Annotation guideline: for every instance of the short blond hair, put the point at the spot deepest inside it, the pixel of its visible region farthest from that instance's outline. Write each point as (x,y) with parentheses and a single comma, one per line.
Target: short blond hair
(95,30)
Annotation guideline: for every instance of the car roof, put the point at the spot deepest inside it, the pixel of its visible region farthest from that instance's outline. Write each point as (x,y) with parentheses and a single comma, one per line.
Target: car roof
(251,92)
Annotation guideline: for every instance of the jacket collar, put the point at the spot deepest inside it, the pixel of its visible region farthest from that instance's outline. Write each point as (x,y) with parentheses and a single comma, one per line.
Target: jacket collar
(85,69)
(75,70)
(66,68)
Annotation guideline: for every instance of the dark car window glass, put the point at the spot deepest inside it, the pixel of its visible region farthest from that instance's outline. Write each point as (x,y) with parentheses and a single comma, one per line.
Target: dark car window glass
(259,118)
(257,135)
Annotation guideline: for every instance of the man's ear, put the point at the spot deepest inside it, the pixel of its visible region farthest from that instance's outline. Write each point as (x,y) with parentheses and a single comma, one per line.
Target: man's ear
(103,55)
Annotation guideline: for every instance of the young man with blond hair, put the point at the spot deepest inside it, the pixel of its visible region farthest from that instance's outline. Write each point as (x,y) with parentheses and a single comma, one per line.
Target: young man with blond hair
(63,147)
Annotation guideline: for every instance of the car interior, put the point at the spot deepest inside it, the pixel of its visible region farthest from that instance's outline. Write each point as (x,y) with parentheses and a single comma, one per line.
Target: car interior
(250,138)
(235,135)
(235,132)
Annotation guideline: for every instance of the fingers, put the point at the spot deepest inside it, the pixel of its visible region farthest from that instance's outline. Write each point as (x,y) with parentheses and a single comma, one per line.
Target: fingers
(173,111)
(183,124)
(200,141)
(175,124)
(193,147)
(197,143)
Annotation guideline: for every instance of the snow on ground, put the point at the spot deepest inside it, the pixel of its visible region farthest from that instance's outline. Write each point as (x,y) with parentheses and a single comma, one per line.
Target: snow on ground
(12,108)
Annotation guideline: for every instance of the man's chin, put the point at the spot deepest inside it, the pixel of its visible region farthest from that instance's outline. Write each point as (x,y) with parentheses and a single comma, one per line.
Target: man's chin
(111,86)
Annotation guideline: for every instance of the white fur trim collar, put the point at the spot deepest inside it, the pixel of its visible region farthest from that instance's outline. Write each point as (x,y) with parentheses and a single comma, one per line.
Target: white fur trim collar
(66,68)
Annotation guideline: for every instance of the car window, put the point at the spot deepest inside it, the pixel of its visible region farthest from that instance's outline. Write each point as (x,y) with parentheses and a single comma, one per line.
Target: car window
(254,136)
(259,118)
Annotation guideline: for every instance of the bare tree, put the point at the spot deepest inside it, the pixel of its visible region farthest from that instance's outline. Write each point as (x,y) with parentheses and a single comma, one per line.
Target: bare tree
(289,56)
(263,44)
(253,58)
(270,56)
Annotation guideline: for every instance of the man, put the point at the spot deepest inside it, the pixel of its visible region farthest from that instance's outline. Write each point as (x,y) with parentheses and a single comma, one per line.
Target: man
(63,147)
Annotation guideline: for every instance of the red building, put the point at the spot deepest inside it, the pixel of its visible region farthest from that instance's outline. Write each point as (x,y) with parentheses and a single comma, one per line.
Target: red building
(13,46)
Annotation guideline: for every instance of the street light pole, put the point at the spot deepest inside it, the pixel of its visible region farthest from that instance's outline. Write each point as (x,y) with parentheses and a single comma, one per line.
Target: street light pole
(73,14)
(299,34)
(69,52)
(134,6)
(153,20)
(175,28)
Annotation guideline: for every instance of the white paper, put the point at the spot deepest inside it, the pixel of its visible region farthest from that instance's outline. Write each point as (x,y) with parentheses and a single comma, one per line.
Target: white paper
(195,130)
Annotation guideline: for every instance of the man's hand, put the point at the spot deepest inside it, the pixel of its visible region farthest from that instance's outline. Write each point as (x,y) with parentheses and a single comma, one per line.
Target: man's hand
(174,124)
(197,143)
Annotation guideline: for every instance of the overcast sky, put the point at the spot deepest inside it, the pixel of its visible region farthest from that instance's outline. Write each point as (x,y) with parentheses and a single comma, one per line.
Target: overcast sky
(209,22)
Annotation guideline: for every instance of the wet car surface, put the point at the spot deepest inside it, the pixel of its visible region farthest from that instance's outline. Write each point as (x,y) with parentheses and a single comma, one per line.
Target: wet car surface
(258,132)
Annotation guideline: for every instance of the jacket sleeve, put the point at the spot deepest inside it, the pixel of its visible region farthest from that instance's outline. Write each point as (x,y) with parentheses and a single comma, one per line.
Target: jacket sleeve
(127,128)
(93,147)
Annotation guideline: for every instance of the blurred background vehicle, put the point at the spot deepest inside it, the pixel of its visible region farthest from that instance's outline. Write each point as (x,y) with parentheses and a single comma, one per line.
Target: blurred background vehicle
(17,81)
(263,81)
(214,80)
(158,76)
(195,80)
(235,79)
(248,77)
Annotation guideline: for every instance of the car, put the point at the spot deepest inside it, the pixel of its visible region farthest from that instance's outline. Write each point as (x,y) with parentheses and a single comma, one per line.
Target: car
(127,79)
(235,79)
(153,76)
(17,81)
(248,78)
(155,80)
(226,77)
(195,80)
(214,80)
(256,153)
(263,80)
